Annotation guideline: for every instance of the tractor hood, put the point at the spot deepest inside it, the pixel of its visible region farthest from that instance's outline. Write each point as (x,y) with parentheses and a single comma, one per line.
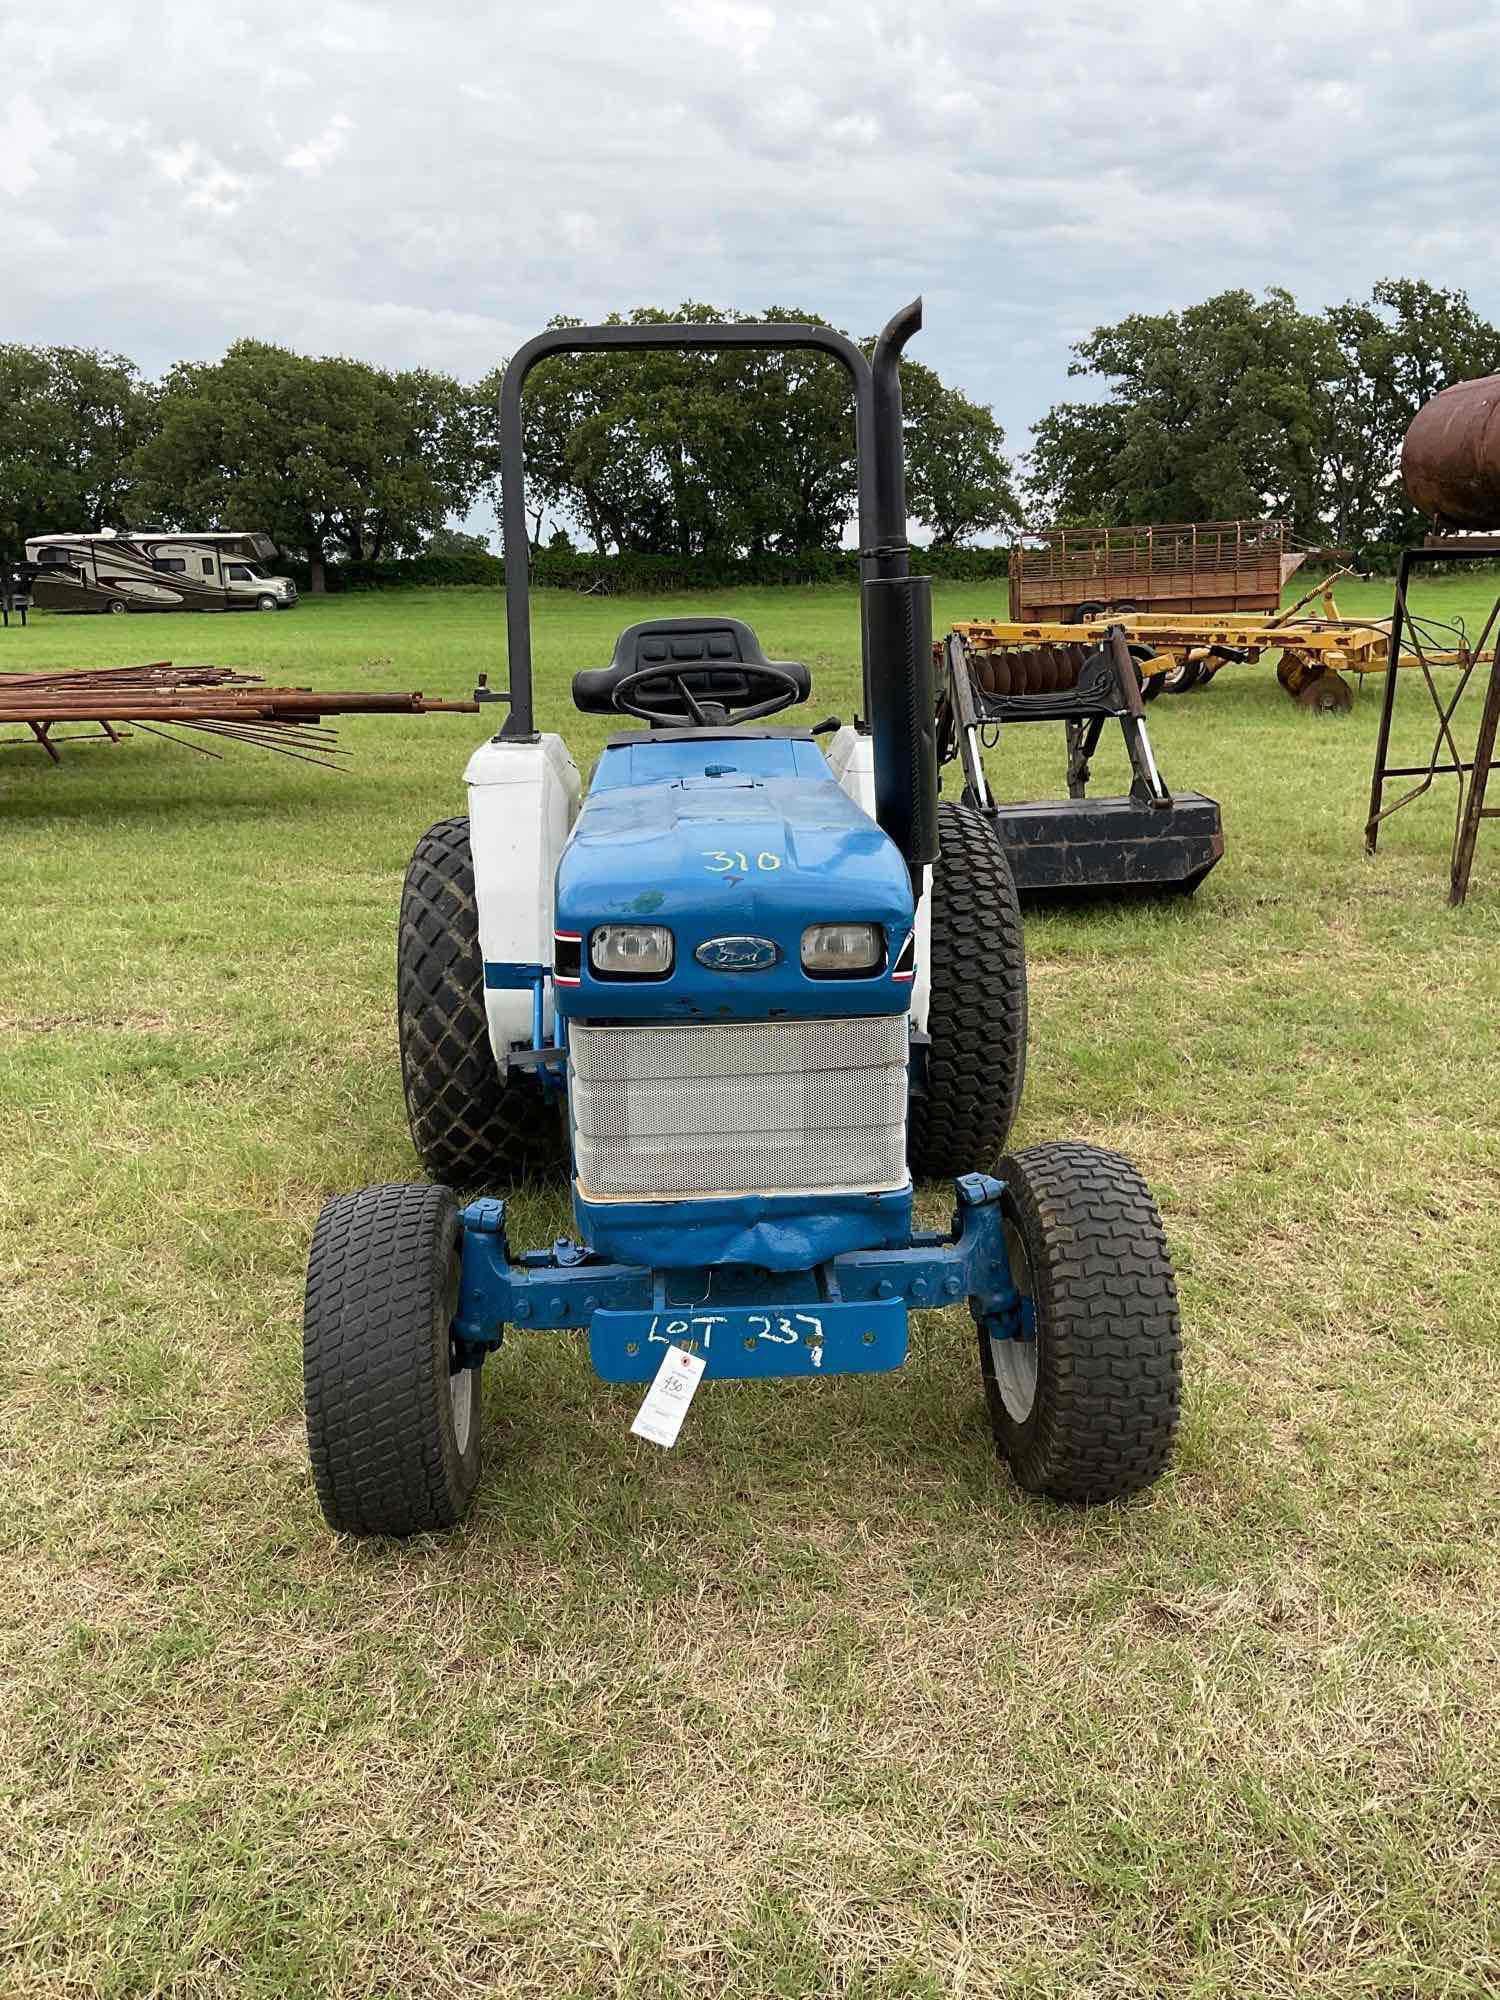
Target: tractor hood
(733,837)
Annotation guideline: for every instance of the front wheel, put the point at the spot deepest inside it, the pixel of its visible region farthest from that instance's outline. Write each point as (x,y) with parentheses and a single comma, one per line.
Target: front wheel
(393,1415)
(1084,1382)
(266,603)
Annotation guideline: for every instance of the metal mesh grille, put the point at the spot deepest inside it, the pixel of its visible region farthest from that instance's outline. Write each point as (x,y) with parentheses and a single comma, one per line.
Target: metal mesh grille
(739,1107)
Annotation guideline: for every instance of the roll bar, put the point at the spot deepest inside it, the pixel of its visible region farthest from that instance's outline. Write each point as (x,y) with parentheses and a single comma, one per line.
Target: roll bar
(895,690)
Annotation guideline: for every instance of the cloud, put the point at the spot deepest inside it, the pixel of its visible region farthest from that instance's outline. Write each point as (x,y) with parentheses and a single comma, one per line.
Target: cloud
(204,183)
(25,141)
(429,186)
(315,154)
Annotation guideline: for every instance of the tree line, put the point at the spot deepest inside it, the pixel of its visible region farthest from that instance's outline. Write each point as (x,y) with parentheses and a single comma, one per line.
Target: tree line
(716,454)
(1235,407)
(1242,406)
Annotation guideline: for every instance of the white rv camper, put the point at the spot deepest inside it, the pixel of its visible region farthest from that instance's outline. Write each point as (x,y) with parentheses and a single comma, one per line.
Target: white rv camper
(158,572)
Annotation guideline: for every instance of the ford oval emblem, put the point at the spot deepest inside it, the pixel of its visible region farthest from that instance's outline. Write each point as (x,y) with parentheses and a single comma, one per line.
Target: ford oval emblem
(738,954)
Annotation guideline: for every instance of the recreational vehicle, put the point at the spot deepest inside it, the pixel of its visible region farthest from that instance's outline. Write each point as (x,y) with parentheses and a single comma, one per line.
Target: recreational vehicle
(157,572)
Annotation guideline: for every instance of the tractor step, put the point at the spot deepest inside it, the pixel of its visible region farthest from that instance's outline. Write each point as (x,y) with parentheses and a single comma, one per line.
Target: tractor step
(1094,844)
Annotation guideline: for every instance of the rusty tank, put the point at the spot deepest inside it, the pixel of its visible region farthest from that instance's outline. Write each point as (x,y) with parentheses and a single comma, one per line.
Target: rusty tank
(1450,456)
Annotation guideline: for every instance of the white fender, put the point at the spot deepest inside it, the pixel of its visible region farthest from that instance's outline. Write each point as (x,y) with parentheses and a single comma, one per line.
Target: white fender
(523,800)
(851,756)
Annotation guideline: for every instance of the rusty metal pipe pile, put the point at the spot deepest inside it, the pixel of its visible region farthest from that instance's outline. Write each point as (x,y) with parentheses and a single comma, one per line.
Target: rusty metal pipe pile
(160,698)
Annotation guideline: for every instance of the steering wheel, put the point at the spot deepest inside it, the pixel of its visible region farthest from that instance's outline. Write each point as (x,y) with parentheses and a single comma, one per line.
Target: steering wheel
(706,712)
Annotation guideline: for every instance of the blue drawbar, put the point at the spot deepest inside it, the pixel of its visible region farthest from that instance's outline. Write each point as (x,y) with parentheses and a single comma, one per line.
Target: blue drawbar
(845,1314)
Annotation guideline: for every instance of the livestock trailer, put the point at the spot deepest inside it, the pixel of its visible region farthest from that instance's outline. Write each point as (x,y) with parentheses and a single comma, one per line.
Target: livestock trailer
(1065,574)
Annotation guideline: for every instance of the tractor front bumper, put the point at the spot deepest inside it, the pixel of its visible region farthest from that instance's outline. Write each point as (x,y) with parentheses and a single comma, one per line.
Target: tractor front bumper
(845,1316)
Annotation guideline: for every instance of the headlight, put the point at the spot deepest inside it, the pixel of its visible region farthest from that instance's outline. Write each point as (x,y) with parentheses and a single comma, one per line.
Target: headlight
(832,949)
(631,951)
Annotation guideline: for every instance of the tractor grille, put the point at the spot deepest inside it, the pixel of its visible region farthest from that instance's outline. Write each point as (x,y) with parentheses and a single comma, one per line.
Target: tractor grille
(773,1107)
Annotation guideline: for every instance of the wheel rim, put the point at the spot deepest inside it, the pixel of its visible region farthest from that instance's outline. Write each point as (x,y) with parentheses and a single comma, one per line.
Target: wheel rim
(461,1389)
(1173,678)
(1014,1361)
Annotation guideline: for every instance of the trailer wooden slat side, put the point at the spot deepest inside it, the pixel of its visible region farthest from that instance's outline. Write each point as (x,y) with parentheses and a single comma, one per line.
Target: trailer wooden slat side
(1187,566)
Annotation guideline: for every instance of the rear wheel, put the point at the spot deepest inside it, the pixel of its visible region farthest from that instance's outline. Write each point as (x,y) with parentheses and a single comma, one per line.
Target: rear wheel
(472,1125)
(976,1014)
(393,1417)
(118,605)
(1083,1383)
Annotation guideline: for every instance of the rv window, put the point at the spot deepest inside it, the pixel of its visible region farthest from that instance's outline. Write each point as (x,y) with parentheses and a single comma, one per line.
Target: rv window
(170,565)
(208,568)
(239,572)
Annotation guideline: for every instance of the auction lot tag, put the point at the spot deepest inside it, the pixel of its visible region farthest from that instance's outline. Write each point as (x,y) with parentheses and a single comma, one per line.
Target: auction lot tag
(666,1402)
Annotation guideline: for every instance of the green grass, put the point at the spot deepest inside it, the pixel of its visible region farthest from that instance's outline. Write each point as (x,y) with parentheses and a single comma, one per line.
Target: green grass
(815,1704)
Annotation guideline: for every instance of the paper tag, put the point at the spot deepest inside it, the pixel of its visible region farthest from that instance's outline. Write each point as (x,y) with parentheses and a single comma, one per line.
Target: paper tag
(666,1402)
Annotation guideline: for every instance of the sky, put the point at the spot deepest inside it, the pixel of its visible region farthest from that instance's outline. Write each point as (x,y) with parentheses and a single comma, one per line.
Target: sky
(429,183)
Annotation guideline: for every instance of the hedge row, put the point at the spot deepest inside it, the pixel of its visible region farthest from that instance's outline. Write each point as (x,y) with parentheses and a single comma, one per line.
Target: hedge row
(632,575)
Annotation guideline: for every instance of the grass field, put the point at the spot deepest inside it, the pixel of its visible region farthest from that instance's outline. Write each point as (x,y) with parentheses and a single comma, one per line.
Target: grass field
(816,1703)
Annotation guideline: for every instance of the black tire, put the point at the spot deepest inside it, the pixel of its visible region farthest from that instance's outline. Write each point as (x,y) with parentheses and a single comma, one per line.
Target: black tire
(976,1015)
(117,604)
(394,1443)
(1151,684)
(472,1126)
(1082,613)
(1183,677)
(265,602)
(1107,1352)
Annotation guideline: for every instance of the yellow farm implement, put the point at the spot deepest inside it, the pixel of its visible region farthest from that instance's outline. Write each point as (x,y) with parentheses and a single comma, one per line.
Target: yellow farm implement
(1178,651)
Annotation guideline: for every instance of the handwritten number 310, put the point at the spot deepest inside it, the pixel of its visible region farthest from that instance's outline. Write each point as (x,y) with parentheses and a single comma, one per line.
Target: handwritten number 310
(720,863)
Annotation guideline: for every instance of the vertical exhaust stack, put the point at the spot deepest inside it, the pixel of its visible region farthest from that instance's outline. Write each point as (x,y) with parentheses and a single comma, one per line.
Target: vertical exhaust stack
(896,621)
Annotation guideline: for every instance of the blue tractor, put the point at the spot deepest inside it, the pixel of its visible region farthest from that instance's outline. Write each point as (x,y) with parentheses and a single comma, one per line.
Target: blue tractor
(743,993)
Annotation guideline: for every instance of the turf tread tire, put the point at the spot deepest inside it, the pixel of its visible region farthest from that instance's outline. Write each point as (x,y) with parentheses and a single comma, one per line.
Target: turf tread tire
(472,1126)
(1109,1335)
(381,1291)
(976,1010)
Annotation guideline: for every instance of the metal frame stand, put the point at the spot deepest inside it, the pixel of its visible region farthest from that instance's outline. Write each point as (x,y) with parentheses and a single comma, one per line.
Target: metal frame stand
(1473,774)
(1150,840)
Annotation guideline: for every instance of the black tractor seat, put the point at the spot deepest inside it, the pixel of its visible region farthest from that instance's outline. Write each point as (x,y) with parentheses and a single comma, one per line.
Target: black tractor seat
(716,658)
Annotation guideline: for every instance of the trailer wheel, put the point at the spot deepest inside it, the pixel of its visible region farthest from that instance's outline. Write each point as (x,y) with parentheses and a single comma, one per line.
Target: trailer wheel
(976,1014)
(1082,613)
(472,1125)
(1084,1404)
(393,1419)
(1151,684)
(1186,674)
